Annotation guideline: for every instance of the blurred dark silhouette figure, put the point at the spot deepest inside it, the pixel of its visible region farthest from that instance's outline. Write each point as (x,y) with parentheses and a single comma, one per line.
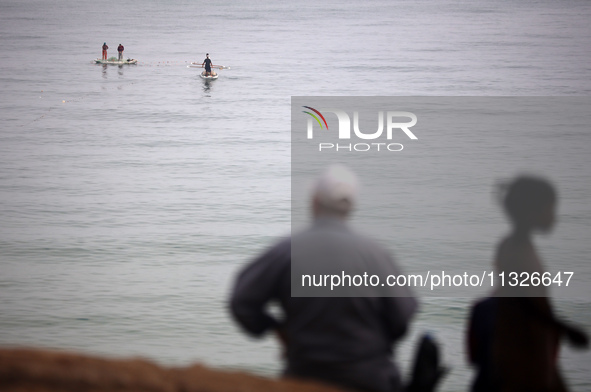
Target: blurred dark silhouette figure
(480,344)
(427,370)
(344,341)
(514,336)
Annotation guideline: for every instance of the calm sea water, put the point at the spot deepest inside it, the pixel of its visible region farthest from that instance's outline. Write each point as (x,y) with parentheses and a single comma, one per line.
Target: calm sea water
(130,196)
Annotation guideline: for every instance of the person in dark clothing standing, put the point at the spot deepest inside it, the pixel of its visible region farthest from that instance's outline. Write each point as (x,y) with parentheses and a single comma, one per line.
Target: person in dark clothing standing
(120,49)
(344,341)
(207,64)
(105,47)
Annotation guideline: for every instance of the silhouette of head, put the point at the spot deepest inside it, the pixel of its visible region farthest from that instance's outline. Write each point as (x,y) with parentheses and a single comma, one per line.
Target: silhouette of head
(530,203)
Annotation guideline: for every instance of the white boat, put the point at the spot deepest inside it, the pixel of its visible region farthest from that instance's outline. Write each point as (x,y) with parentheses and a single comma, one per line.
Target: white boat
(113,60)
(208,77)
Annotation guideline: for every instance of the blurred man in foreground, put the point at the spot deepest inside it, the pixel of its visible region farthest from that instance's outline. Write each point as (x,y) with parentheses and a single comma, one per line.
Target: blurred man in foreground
(342,340)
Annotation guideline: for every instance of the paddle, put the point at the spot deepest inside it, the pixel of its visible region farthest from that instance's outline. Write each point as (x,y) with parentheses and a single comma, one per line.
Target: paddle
(212,66)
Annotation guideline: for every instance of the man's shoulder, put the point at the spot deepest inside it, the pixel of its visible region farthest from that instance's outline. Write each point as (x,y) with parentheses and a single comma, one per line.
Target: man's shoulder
(283,245)
(331,234)
(353,237)
(279,250)
(339,238)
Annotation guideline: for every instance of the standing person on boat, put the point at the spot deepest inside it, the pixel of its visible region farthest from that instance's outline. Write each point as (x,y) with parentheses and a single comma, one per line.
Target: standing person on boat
(207,63)
(105,47)
(344,341)
(120,49)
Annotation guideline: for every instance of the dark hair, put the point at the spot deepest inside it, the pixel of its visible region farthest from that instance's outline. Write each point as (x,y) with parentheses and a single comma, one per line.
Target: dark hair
(525,196)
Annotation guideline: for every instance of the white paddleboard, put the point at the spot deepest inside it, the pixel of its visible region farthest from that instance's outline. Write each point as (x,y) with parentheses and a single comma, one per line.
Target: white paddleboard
(202,74)
(116,62)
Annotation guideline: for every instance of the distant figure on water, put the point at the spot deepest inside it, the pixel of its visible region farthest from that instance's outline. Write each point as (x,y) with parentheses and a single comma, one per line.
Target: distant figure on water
(514,336)
(346,341)
(105,47)
(120,49)
(207,64)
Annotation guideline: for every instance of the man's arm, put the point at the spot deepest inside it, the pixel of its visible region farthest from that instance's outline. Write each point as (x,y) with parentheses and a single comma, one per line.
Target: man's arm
(399,302)
(398,314)
(256,285)
(540,308)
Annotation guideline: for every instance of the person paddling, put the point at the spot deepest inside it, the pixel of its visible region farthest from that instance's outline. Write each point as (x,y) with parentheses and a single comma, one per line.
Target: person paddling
(120,49)
(207,63)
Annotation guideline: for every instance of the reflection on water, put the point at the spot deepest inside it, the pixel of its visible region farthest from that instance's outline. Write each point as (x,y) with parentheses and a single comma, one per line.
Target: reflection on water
(207,85)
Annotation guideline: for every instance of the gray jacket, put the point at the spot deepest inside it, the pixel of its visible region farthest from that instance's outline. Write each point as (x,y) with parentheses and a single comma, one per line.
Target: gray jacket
(346,341)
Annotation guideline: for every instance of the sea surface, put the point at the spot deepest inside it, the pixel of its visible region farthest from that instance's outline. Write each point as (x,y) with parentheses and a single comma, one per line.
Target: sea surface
(130,196)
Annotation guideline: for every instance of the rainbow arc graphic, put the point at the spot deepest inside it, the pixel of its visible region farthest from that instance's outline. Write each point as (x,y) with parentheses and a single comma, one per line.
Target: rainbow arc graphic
(316,118)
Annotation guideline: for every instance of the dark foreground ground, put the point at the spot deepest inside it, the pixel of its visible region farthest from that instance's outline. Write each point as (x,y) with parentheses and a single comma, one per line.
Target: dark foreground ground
(39,371)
